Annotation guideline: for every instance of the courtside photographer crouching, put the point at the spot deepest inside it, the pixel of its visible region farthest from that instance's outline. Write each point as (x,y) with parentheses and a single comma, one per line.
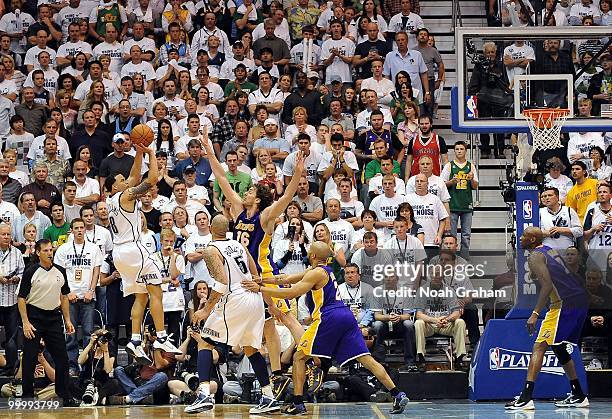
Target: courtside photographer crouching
(140,382)
(96,366)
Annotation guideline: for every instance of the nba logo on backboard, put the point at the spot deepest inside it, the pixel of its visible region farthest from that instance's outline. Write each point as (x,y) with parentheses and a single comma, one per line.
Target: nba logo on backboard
(527,209)
(493,359)
(470,107)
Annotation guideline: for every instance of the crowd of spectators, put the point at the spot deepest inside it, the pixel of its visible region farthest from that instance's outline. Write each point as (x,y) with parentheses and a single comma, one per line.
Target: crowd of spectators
(354,88)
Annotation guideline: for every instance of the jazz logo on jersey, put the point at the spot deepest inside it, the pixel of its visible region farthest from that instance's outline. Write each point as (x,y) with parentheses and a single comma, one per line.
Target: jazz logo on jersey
(527,209)
(508,359)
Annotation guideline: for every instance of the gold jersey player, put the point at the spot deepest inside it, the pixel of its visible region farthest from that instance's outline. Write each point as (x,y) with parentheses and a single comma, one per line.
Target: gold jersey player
(255,217)
(139,273)
(563,322)
(333,333)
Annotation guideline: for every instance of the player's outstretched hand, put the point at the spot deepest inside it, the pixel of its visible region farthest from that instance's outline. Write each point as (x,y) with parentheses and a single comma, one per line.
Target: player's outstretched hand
(143,149)
(299,164)
(251,285)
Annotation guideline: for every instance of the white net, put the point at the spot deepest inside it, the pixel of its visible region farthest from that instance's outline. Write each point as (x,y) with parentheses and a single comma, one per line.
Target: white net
(545,126)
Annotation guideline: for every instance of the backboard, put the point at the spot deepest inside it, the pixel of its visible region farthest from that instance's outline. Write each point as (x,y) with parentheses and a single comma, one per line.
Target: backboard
(525,86)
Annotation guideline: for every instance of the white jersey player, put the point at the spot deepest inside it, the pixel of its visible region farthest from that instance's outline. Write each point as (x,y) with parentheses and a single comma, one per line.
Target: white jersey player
(232,316)
(139,273)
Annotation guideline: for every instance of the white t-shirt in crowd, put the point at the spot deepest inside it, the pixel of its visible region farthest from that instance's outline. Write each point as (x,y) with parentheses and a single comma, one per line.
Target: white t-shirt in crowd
(429,211)
(79,261)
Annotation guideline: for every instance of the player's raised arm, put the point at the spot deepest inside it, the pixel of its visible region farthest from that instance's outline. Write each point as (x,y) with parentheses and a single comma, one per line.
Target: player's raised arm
(136,187)
(214,263)
(278,208)
(228,192)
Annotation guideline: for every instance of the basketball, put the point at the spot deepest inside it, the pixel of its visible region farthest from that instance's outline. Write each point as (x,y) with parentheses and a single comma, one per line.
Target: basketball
(142,134)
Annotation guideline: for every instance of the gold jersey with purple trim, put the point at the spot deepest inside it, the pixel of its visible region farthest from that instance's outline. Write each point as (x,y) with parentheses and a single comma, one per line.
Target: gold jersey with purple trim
(334,332)
(251,234)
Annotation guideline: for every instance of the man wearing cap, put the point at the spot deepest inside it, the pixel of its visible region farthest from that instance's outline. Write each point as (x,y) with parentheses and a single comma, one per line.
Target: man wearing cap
(195,192)
(91,135)
(267,95)
(265,61)
(278,147)
(117,162)
(195,159)
(337,55)
(227,71)
(301,96)
(297,52)
(239,81)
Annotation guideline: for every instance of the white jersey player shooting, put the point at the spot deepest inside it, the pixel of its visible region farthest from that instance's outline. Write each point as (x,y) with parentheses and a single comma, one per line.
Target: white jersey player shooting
(139,273)
(232,316)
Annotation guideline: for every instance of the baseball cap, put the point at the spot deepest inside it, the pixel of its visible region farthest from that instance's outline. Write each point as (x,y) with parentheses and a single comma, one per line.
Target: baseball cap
(335,79)
(189,168)
(270,121)
(118,138)
(238,44)
(312,75)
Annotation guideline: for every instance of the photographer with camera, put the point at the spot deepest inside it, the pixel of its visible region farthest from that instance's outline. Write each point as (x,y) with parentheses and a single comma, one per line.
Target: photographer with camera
(489,83)
(140,382)
(96,364)
(44,378)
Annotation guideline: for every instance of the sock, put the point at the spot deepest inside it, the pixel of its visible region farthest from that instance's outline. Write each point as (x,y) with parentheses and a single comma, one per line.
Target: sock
(161,335)
(136,337)
(394,391)
(298,399)
(259,368)
(576,388)
(527,393)
(205,388)
(267,391)
(128,400)
(204,364)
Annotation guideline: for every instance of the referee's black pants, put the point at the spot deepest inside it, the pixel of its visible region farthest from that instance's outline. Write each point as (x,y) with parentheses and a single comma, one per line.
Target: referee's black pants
(50,327)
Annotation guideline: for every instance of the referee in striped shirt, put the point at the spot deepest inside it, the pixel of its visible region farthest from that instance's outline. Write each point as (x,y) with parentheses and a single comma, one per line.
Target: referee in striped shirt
(43,290)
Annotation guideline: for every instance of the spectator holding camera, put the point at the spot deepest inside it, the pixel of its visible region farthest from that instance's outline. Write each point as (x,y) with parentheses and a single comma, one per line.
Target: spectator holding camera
(11,270)
(140,382)
(44,378)
(96,364)
(489,83)
(82,260)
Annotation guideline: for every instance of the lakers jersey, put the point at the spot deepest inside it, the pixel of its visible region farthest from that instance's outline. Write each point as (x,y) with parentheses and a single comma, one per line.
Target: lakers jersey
(125,225)
(567,288)
(324,299)
(250,233)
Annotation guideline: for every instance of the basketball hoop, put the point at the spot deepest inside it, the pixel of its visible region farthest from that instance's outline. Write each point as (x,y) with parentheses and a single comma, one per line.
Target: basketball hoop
(545,126)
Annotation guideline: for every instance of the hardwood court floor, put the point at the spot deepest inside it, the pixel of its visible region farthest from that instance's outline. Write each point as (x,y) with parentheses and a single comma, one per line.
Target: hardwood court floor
(421,410)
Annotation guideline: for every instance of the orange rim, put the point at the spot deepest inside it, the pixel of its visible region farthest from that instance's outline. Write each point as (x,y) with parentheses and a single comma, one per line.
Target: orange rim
(544,118)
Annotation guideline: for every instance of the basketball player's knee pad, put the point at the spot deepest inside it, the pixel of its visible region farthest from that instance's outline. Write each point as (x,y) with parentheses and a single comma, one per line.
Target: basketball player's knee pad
(562,354)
